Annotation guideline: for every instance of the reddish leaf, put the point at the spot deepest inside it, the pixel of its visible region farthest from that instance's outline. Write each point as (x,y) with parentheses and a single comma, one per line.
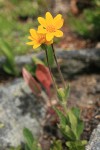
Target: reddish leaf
(44,77)
(32,83)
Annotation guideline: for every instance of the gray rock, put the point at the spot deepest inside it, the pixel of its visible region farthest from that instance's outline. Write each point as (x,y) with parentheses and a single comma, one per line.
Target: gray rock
(80,61)
(94,143)
(72,62)
(18,109)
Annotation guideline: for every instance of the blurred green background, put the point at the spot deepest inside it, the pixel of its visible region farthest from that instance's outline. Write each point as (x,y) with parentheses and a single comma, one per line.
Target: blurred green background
(16,18)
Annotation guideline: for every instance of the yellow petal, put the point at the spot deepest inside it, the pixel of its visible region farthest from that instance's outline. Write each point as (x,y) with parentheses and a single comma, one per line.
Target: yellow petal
(41,30)
(58,17)
(33,33)
(42,21)
(49,18)
(49,36)
(30,43)
(58,33)
(36,46)
(59,23)
(30,38)
(49,42)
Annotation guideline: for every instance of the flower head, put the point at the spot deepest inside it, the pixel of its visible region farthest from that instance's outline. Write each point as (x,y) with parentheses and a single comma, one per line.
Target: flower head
(50,26)
(37,39)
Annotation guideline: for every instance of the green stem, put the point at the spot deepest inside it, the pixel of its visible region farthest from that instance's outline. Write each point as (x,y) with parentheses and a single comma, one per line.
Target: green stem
(58,67)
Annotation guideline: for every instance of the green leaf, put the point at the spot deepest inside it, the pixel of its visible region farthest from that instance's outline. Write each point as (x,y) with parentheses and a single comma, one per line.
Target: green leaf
(80,128)
(6,50)
(76,145)
(26,147)
(9,66)
(61,116)
(36,146)
(73,122)
(67,132)
(80,124)
(61,95)
(57,145)
(76,112)
(65,125)
(31,143)
(50,55)
(28,137)
(67,91)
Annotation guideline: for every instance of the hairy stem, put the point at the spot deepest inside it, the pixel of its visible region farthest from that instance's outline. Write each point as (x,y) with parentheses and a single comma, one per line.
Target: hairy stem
(58,67)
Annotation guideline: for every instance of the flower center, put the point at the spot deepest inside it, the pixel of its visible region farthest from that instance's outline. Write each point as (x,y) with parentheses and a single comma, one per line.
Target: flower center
(41,39)
(50,28)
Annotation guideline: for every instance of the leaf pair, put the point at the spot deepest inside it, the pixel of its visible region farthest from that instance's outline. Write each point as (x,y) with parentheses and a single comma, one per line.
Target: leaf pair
(70,124)
(43,76)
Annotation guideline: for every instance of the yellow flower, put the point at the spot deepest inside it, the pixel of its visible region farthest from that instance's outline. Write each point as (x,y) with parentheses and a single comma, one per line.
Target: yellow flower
(50,26)
(37,39)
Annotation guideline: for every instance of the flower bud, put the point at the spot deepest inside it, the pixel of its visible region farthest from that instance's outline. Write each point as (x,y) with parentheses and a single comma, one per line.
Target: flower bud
(63,94)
